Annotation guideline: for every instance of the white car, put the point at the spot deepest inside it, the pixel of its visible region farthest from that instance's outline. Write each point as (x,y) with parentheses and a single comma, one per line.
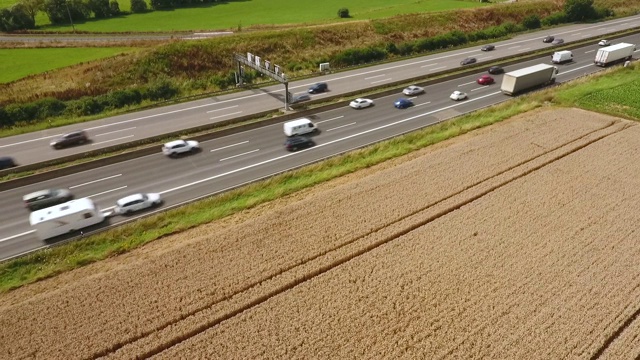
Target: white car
(361,103)
(136,202)
(458,95)
(604,42)
(413,90)
(180,146)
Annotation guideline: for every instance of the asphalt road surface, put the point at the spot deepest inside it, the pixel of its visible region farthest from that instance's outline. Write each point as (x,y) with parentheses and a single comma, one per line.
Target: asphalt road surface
(241,158)
(34,147)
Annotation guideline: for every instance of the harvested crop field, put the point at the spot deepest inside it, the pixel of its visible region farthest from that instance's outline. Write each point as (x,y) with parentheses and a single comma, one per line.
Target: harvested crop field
(518,241)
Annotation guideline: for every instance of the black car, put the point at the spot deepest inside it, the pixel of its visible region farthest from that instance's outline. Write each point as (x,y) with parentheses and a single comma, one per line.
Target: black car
(468,61)
(300,98)
(318,88)
(488,48)
(298,142)
(548,39)
(72,138)
(495,70)
(6,163)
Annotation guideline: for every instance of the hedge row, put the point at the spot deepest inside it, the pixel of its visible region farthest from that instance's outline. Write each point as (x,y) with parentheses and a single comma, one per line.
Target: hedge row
(44,109)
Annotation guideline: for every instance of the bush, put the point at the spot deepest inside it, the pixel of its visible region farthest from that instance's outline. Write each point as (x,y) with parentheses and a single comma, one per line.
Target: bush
(343,13)
(603,12)
(16,18)
(49,107)
(161,89)
(162,4)
(555,19)
(114,7)
(138,6)
(22,112)
(359,56)
(579,10)
(84,106)
(100,8)
(120,98)
(531,22)
(58,10)
(5,120)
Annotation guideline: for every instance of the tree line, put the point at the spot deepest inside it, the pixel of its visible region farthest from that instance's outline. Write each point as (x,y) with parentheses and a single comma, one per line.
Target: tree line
(22,15)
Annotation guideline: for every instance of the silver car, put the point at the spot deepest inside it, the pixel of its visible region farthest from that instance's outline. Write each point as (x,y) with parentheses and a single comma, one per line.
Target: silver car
(136,202)
(46,198)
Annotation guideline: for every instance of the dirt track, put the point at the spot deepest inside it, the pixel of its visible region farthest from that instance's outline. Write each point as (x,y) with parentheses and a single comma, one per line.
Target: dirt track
(517,241)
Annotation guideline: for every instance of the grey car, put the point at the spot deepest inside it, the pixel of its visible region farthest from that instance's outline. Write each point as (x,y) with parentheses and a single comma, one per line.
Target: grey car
(45,198)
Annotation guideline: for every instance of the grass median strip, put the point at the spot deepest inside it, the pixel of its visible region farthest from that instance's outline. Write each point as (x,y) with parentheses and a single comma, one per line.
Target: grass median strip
(49,262)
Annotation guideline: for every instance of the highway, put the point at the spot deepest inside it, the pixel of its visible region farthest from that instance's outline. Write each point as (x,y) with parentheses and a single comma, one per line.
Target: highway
(231,161)
(34,147)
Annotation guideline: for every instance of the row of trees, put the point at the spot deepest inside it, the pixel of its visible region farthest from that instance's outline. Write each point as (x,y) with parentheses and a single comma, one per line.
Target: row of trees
(22,15)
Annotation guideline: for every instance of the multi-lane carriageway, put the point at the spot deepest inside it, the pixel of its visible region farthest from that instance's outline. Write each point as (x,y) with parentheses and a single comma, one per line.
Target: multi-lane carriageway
(231,161)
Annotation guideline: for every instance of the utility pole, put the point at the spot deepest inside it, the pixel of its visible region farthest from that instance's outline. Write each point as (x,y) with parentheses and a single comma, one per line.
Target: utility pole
(69,13)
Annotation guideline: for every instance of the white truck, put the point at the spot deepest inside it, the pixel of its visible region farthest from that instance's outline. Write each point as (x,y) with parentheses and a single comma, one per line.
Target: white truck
(614,53)
(65,218)
(560,57)
(528,78)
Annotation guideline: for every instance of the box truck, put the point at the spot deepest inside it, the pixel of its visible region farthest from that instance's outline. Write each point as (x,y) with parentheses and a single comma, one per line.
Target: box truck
(65,218)
(528,78)
(614,53)
(560,57)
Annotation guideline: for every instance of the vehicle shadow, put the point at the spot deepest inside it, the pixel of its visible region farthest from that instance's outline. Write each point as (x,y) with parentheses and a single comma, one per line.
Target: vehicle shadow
(185,154)
(79,234)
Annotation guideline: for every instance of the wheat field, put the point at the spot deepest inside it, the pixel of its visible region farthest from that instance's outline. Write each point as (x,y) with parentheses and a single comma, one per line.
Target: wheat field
(517,241)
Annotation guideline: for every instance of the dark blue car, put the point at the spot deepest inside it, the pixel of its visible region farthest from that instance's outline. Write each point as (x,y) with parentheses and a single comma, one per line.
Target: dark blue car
(403,103)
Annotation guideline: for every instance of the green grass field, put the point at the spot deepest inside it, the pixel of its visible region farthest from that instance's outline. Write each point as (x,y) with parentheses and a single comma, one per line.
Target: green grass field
(18,63)
(234,14)
(608,91)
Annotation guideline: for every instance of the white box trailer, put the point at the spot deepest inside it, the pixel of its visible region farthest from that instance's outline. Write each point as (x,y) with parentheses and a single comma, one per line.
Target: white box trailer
(528,78)
(65,218)
(614,53)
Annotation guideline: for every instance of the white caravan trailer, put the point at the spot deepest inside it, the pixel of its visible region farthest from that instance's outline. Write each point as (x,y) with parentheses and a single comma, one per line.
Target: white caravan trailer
(65,218)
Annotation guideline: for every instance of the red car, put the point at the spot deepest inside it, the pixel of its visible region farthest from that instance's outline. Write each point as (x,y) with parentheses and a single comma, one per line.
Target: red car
(485,80)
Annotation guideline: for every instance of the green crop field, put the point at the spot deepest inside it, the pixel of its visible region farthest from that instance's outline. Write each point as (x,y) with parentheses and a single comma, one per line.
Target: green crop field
(233,15)
(18,63)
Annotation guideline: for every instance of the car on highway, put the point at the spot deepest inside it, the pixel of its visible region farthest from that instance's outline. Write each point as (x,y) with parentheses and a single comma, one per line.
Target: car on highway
(137,202)
(318,88)
(458,95)
(70,139)
(298,142)
(403,103)
(485,80)
(46,198)
(468,61)
(495,70)
(361,103)
(300,98)
(7,163)
(173,148)
(548,39)
(604,42)
(488,47)
(558,41)
(413,90)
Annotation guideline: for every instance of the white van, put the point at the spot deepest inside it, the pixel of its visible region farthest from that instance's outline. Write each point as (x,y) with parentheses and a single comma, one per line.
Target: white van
(562,56)
(64,218)
(299,127)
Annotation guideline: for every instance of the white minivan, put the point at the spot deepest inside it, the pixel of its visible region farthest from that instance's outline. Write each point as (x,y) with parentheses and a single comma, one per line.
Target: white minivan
(562,56)
(299,127)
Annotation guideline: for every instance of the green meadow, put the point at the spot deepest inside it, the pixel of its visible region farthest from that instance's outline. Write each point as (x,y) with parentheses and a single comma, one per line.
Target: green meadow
(18,63)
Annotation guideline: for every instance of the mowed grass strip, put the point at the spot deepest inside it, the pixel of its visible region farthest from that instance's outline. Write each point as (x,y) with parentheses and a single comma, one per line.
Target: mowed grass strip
(18,63)
(49,262)
(238,14)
